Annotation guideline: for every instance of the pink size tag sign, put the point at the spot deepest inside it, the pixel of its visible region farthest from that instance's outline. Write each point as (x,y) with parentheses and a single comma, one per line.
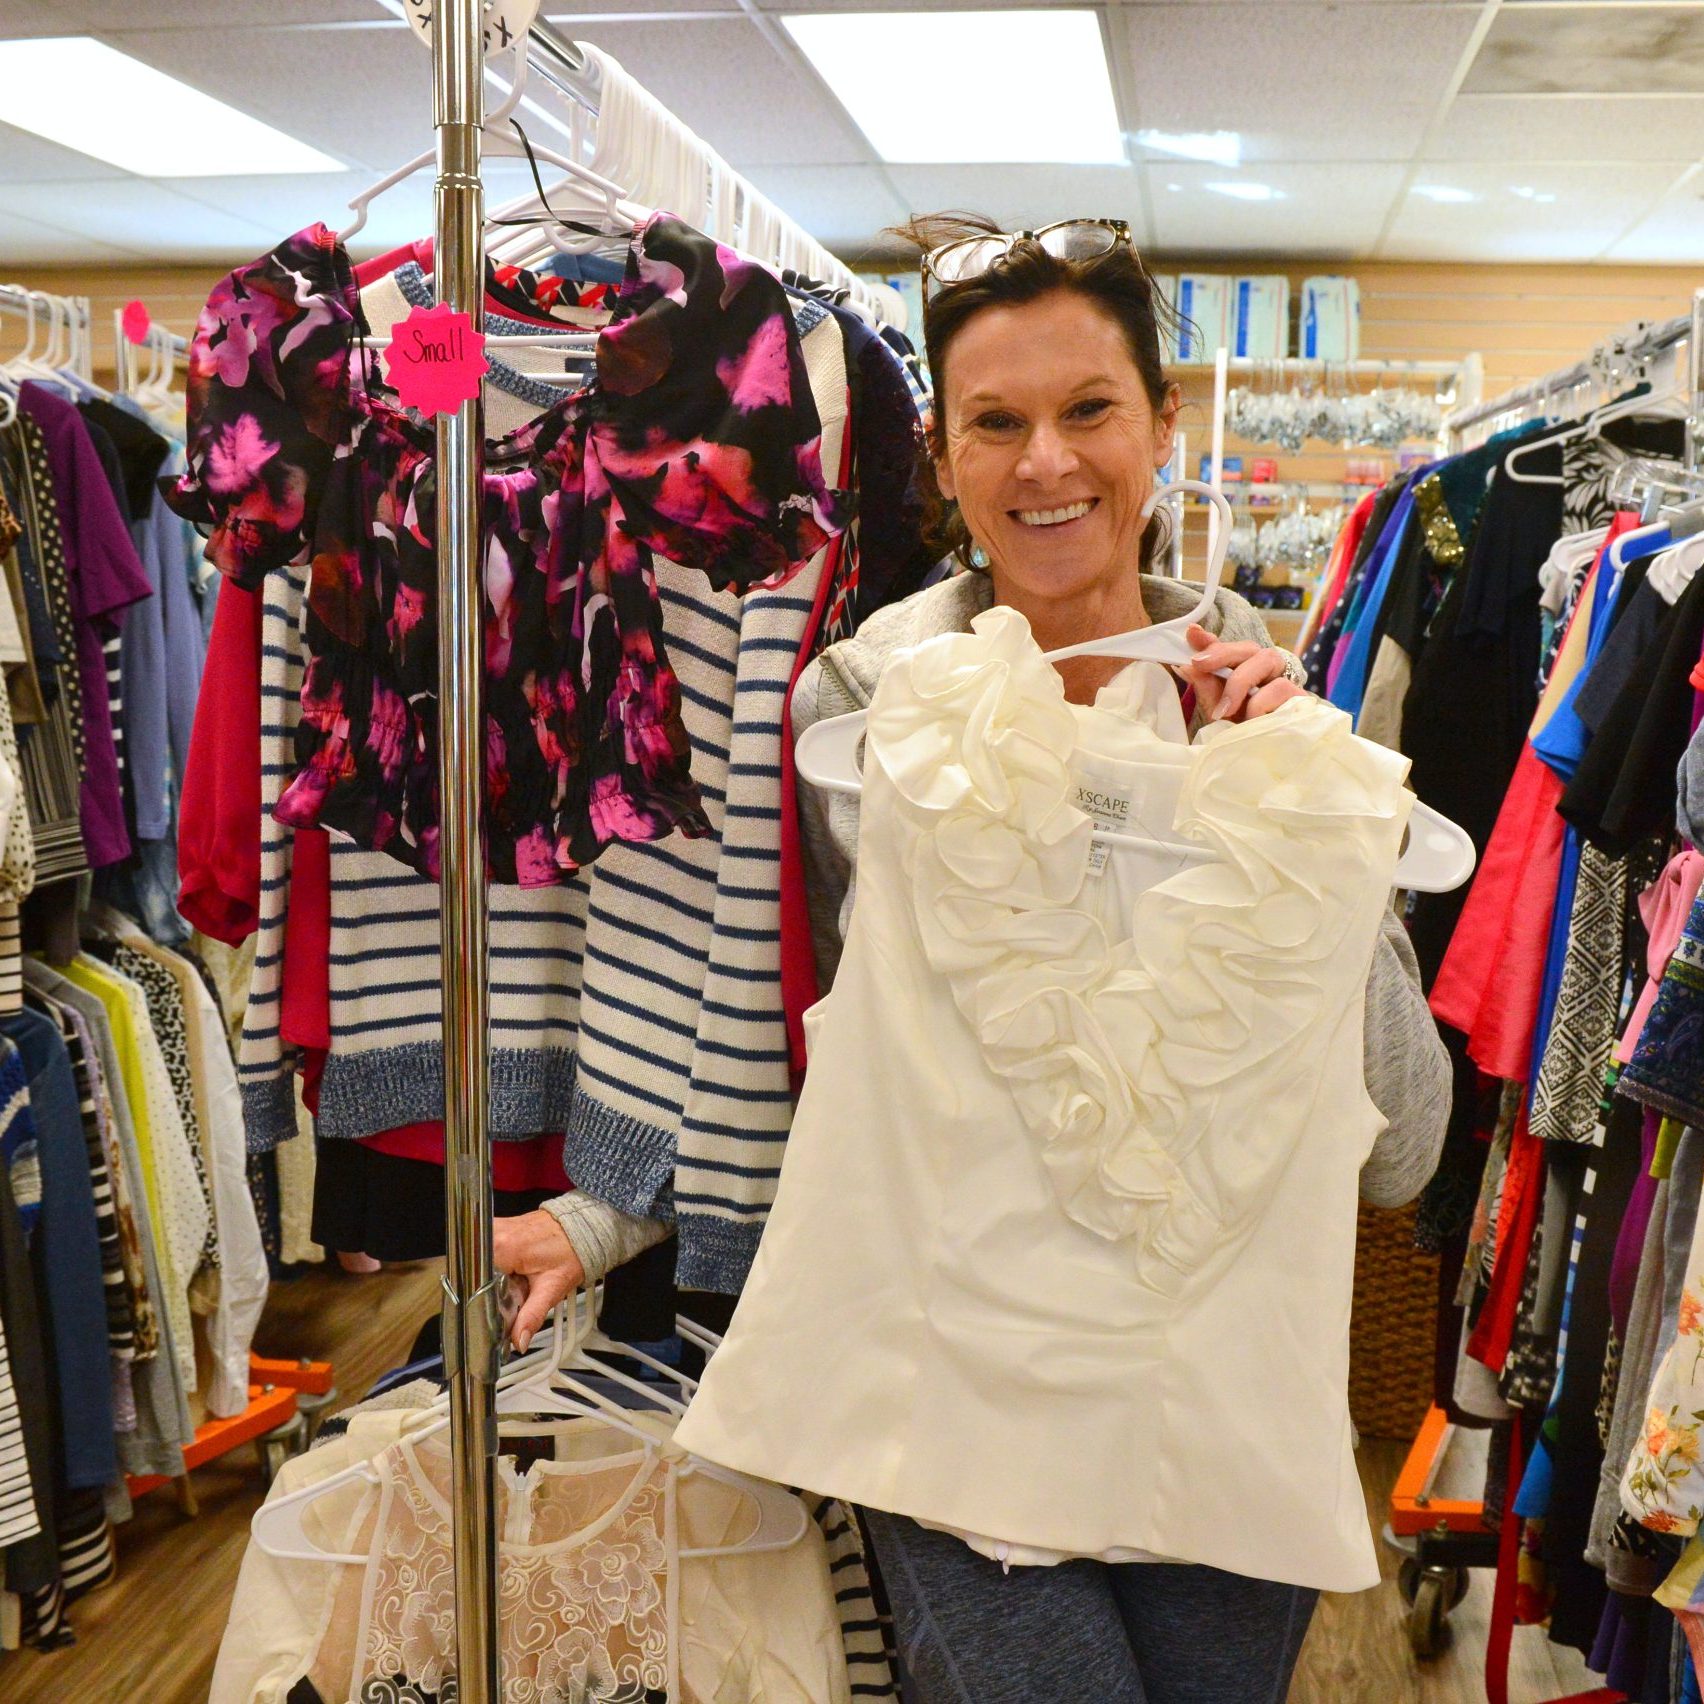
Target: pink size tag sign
(135,322)
(436,360)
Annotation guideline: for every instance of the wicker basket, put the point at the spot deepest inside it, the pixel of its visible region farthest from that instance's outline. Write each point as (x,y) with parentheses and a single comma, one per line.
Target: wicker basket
(1392,1330)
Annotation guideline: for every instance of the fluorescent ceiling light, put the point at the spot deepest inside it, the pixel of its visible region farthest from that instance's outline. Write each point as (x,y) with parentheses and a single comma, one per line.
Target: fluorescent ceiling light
(82,94)
(1527,193)
(1238,190)
(1216,147)
(1003,87)
(1443,192)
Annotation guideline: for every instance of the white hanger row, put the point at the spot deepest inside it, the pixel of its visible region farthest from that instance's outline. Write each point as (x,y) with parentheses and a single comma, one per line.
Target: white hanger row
(1437,857)
(544,1384)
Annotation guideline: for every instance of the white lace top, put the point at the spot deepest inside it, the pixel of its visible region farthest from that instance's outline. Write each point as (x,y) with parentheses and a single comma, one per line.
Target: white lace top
(596,1600)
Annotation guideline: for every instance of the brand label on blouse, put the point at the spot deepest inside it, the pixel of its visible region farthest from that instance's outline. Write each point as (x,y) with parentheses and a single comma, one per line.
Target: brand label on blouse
(1109,808)
(436,360)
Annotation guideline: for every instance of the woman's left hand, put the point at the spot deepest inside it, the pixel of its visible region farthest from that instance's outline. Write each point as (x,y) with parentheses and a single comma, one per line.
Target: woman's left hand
(1256,685)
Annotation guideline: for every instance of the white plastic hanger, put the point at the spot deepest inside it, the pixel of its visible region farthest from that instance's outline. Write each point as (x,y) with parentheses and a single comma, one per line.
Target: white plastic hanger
(1438,855)
(31,363)
(1591,427)
(608,195)
(1683,522)
(542,1384)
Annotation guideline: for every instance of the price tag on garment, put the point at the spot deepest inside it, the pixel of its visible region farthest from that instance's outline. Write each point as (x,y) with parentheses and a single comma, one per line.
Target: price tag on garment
(502,23)
(436,360)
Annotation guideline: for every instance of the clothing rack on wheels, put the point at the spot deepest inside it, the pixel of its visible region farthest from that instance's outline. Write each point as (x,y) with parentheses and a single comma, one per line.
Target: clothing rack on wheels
(708,193)
(1436,1507)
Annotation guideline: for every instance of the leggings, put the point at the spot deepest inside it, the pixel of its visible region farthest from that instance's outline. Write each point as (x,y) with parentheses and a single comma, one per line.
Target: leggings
(1083,1632)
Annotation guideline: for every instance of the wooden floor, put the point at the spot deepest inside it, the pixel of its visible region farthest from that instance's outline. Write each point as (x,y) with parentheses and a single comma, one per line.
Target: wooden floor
(1357,1649)
(151,1637)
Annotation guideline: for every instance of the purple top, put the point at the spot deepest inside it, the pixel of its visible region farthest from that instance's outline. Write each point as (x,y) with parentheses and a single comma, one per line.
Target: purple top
(105,579)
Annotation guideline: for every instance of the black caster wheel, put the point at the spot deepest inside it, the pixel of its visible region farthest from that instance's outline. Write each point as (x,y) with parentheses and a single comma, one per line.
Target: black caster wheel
(1430,1593)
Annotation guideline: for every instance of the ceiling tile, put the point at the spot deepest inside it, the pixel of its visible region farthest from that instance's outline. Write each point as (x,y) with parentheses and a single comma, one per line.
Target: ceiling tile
(364,101)
(843,207)
(1673,231)
(1308,82)
(43,18)
(1570,127)
(25,158)
(1019,196)
(778,8)
(1328,212)
(404,212)
(726,82)
(1593,207)
(573,21)
(145,217)
(278,204)
(98,17)
(1590,50)
(29,242)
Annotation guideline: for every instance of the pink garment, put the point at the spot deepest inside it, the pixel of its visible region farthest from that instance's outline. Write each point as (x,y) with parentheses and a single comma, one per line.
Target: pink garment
(1664,905)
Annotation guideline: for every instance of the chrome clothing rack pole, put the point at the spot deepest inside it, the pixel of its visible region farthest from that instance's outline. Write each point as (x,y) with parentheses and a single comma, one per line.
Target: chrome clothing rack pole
(470,1307)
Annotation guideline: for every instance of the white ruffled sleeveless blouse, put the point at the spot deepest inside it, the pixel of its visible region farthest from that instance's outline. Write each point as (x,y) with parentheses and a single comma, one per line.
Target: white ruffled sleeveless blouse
(1063,1247)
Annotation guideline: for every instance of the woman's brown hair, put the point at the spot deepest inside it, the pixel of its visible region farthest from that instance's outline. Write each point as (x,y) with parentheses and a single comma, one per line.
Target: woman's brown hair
(1116,282)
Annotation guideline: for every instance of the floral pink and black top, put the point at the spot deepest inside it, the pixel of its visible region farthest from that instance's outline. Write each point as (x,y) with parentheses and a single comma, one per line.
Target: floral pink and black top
(697,438)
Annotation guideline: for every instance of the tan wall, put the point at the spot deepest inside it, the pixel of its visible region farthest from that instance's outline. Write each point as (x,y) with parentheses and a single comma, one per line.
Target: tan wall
(1525,320)
(172,294)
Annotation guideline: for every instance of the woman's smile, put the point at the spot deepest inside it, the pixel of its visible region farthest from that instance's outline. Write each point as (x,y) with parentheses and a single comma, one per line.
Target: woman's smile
(1061,517)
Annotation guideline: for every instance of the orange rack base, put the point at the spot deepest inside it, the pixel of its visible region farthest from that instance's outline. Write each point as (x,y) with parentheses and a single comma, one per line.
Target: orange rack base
(273,1392)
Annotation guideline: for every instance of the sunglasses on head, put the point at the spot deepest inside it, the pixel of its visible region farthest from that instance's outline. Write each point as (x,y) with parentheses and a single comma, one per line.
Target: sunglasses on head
(1067,239)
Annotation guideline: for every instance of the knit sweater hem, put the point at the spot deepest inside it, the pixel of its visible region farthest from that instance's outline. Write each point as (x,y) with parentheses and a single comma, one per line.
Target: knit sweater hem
(715,1253)
(532,1090)
(624,1161)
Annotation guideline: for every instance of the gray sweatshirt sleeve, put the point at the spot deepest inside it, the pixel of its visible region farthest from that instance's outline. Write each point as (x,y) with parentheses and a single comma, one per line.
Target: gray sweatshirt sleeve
(1407,1072)
(603,1236)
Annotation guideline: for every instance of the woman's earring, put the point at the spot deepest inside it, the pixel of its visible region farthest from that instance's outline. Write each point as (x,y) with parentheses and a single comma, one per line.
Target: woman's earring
(978,556)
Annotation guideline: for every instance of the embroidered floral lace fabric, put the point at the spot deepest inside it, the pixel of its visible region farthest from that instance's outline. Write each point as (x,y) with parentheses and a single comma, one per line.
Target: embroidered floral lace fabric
(585,1587)
(697,439)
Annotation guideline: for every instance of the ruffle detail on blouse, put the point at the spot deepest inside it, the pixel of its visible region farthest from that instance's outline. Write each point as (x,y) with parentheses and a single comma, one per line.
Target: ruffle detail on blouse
(1135,1063)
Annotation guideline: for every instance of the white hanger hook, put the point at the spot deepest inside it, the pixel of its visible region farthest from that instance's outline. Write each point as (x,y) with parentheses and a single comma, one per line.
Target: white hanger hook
(1222,533)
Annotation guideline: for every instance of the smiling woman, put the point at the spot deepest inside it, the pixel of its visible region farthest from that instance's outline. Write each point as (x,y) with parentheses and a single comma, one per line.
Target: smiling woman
(950,1286)
(960,1297)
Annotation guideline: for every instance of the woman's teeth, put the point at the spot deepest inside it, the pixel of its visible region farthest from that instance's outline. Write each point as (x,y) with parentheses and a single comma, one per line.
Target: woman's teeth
(1053,517)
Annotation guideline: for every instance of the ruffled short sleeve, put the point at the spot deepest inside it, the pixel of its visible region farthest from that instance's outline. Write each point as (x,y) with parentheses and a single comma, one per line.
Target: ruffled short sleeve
(704,425)
(268,404)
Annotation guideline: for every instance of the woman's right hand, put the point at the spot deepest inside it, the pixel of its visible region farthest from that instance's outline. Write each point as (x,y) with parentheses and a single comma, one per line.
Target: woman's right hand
(534,1250)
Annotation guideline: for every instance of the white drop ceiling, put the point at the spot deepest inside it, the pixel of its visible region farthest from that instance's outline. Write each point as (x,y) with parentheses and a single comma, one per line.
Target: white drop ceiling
(1343,109)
